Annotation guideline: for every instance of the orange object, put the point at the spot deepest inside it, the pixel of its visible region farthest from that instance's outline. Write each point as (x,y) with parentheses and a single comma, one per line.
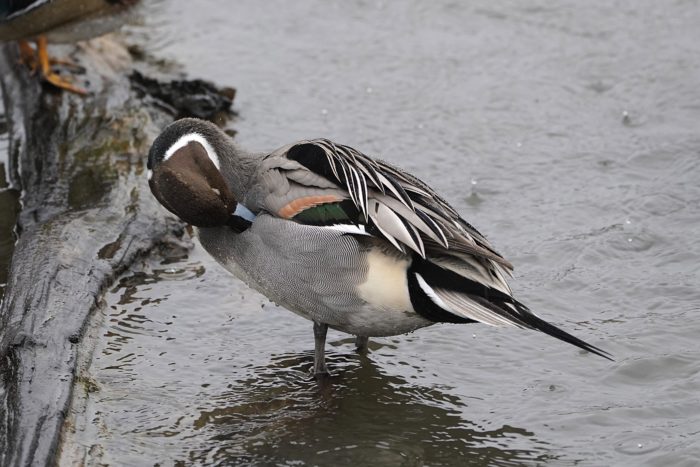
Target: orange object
(300,204)
(48,74)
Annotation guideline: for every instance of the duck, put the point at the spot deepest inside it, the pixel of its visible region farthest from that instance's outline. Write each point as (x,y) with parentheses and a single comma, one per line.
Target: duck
(342,239)
(61,21)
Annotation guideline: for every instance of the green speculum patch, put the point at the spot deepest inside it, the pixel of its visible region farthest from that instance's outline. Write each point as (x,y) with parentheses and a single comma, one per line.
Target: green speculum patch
(343,212)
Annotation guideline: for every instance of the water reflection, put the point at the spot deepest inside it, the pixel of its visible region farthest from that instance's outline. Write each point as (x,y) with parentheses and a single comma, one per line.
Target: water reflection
(282,416)
(185,374)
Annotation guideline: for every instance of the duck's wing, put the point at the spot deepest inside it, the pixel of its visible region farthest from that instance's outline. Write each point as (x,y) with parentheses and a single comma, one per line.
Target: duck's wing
(324,183)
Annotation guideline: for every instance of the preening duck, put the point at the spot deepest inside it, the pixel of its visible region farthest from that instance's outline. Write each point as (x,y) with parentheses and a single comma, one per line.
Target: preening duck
(342,239)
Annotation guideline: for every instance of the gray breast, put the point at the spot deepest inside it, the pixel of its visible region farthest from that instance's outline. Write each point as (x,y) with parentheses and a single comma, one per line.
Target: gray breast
(310,270)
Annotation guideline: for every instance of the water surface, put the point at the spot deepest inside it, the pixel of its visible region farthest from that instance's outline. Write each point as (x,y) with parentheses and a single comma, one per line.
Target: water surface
(565,131)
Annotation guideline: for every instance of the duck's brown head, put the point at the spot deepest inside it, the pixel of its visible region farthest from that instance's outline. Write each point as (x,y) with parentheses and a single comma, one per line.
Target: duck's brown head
(185,173)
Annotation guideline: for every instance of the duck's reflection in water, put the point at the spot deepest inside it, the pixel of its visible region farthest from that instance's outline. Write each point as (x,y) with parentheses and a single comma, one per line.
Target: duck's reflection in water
(281,415)
(175,389)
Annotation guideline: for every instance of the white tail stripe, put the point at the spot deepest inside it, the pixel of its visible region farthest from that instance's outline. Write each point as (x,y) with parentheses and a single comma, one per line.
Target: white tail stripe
(196,138)
(432,295)
(475,311)
(467,307)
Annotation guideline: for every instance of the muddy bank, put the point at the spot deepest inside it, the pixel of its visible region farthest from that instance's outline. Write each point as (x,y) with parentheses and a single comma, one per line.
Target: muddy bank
(87,213)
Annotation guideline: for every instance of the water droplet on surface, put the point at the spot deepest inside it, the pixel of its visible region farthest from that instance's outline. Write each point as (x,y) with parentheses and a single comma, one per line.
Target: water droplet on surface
(637,444)
(324,111)
(626,117)
(474,181)
(519,144)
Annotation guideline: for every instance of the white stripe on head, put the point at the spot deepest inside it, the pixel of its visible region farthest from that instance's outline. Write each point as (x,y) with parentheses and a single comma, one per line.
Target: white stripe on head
(197,138)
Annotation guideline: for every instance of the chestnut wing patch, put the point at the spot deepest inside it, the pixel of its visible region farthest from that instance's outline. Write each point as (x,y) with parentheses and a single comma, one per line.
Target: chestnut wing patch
(298,205)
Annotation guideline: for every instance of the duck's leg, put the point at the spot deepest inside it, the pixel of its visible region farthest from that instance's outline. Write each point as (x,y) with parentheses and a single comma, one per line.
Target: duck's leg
(320,330)
(361,344)
(27,56)
(48,74)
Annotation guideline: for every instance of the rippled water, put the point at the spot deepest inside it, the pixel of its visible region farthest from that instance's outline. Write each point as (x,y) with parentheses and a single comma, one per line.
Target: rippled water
(566,131)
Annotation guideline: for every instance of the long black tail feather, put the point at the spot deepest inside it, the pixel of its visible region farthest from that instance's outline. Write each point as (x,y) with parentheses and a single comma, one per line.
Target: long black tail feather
(534,322)
(495,300)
